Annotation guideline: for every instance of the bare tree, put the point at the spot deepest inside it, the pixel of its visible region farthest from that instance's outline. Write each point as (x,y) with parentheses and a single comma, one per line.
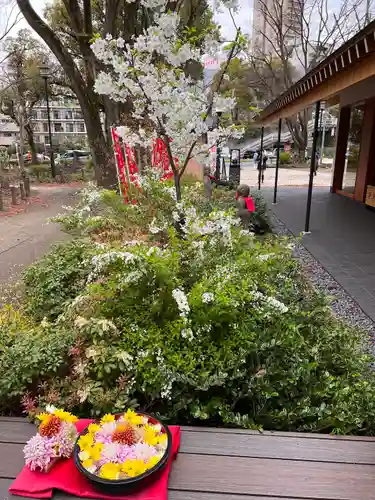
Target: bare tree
(10,16)
(291,38)
(22,87)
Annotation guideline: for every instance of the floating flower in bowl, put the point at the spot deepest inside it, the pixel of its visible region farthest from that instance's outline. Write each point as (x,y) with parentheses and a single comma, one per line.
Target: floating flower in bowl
(55,439)
(123,451)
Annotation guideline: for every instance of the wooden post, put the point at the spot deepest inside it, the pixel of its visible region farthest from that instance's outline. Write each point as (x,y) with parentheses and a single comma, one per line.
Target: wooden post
(312,167)
(27,186)
(341,145)
(367,152)
(277,163)
(260,159)
(13,192)
(22,190)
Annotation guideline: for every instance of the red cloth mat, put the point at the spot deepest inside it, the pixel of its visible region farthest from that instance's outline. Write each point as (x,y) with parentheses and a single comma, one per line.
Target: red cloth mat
(65,476)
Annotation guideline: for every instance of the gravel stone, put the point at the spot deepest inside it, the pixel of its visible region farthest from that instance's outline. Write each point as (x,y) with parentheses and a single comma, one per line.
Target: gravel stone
(343,305)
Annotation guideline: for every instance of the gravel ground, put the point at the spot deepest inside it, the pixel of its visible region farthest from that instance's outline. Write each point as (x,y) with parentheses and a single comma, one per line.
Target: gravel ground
(343,305)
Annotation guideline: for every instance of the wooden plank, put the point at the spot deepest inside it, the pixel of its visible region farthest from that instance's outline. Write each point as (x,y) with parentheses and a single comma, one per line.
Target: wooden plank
(18,431)
(12,460)
(304,435)
(278,447)
(13,419)
(197,495)
(172,495)
(22,427)
(280,478)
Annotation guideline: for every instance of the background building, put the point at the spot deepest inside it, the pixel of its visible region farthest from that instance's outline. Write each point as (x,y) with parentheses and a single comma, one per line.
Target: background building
(272,17)
(9,131)
(67,123)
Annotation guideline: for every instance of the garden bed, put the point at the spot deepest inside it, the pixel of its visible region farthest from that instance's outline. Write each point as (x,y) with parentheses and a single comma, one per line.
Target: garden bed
(175,309)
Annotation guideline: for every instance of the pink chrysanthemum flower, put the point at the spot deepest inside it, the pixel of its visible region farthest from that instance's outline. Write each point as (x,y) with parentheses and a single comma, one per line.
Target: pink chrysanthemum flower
(39,452)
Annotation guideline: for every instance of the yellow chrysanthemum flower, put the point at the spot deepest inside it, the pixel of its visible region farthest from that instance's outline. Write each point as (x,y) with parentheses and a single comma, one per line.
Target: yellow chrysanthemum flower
(150,436)
(107,418)
(133,419)
(96,451)
(133,468)
(162,438)
(152,462)
(93,428)
(85,442)
(65,416)
(88,463)
(110,471)
(43,416)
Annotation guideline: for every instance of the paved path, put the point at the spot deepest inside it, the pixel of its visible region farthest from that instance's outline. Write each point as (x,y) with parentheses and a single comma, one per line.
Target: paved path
(27,236)
(288,176)
(342,237)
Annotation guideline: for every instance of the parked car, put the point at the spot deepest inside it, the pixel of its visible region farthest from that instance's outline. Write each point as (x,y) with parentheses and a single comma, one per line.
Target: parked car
(68,156)
(248,155)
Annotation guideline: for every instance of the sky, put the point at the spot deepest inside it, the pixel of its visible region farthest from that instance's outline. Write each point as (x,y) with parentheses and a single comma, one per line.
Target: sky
(243,19)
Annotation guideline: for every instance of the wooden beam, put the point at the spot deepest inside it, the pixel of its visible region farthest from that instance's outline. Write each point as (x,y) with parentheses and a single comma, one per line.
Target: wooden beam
(328,90)
(366,44)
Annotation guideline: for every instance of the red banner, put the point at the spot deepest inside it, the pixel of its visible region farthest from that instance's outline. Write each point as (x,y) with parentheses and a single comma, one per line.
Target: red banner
(127,166)
(160,158)
(127,170)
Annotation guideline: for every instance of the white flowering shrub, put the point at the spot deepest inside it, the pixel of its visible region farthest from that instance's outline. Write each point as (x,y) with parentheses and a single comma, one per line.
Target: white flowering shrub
(150,71)
(213,325)
(197,322)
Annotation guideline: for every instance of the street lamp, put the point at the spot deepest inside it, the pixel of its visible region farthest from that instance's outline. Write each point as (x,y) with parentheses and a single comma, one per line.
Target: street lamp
(44,73)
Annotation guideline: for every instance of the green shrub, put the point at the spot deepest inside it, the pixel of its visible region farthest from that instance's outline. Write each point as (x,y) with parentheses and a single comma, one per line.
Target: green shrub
(56,278)
(215,327)
(205,325)
(29,358)
(285,158)
(41,171)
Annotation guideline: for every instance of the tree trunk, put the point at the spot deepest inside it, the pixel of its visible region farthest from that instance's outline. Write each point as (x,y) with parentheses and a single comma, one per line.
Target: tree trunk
(103,159)
(177,184)
(1,200)
(30,139)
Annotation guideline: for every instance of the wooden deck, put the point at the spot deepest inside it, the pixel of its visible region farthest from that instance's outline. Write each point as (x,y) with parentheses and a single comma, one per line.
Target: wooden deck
(226,464)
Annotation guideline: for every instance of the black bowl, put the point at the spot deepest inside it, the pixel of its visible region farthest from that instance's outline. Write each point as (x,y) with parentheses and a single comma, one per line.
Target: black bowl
(120,486)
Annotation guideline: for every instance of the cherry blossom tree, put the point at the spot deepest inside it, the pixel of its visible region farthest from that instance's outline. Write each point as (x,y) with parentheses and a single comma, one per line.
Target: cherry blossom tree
(151,72)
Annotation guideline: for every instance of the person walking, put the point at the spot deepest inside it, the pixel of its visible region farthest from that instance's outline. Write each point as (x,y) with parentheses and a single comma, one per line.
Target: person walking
(262,164)
(255,158)
(317,160)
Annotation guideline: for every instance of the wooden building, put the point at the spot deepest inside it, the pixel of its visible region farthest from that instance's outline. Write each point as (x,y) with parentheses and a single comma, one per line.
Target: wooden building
(346,78)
